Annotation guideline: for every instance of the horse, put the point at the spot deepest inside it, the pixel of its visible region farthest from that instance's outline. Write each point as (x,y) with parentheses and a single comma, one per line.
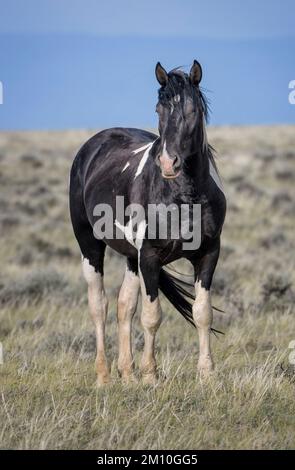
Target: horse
(178,168)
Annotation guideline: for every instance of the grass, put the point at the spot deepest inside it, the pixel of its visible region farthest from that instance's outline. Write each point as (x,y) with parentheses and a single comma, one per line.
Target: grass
(48,397)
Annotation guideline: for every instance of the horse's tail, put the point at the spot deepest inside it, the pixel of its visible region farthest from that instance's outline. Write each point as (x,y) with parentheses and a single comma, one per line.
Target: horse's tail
(175,290)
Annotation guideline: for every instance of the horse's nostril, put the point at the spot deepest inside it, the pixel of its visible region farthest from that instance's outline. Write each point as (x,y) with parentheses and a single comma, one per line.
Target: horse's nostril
(176,162)
(169,164)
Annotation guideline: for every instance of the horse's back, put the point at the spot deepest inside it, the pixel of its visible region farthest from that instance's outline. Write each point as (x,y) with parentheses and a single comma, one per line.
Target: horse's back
(104,155)
(110,147)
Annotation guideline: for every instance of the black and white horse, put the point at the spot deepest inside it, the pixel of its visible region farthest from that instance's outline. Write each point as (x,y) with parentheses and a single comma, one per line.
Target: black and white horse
(177,167)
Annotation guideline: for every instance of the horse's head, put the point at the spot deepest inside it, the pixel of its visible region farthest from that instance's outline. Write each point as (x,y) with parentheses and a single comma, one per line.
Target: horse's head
(182,110)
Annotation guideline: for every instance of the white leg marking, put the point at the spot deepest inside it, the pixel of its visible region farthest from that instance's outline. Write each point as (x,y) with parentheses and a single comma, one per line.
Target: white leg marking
(127,303)
(151,316)
(98,305)
(203,316)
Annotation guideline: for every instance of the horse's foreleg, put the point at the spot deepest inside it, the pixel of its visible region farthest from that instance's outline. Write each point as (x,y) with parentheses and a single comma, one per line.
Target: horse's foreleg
(202,309)
(151,313)
(127,302)
(98,306)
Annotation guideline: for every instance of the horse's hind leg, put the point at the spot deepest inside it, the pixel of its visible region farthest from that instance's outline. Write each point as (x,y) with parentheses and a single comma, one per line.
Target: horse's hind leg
(127,302)
(92,251)
(98,304)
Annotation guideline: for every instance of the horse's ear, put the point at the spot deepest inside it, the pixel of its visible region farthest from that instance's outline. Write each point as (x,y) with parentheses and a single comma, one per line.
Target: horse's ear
(161,74)
(196,73)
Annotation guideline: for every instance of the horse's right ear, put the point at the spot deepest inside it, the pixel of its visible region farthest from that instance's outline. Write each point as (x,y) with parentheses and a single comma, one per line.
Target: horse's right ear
(161,74)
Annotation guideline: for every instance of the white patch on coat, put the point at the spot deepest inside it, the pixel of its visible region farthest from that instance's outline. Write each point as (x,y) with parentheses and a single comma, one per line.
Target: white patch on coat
(125,167)
(212,171)
(143,158)
(139,241)
(144,147)
(215,176)
(205,140)
(127,230)
(140,234)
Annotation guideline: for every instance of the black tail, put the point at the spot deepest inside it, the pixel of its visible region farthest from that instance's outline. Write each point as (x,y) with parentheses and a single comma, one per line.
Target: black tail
(175,291)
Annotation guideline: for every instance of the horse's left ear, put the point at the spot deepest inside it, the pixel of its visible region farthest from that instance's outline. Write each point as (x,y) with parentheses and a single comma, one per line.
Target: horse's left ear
(196,73)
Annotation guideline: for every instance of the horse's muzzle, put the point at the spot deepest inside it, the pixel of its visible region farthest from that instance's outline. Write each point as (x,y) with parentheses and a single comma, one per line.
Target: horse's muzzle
(170,166)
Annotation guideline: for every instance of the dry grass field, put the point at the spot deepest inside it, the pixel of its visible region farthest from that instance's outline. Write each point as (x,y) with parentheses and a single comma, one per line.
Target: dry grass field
(47,394)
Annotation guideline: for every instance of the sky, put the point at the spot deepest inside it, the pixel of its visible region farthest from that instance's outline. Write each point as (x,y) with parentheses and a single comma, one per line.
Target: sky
(90,63)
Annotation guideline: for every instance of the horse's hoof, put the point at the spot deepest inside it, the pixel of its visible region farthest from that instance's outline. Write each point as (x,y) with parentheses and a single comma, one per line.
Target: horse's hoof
(102,380)
(129,379)
(205,368)
(204,373)
(149,379)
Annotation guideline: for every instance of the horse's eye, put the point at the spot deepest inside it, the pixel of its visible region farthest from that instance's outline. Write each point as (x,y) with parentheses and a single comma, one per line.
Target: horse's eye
(190,110)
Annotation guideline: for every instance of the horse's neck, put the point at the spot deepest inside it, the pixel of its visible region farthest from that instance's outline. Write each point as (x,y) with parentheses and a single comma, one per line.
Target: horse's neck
(197,169)
(198,166)
(191,185)
(187,188)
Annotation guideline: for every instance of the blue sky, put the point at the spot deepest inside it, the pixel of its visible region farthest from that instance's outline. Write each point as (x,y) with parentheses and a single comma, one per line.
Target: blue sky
(78,64)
